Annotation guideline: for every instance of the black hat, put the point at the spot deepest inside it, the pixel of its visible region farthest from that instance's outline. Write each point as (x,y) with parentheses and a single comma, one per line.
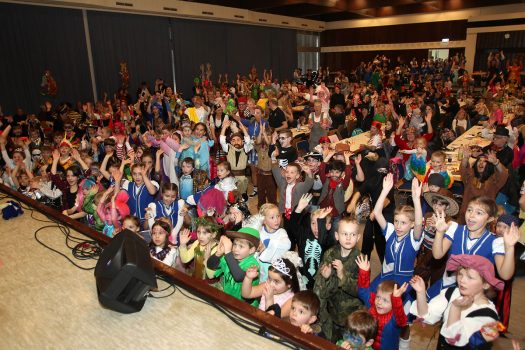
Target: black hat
(381,163)
(436,180)
(501,131)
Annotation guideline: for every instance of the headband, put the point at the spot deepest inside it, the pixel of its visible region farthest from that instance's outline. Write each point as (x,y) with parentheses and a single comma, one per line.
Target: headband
(280,266)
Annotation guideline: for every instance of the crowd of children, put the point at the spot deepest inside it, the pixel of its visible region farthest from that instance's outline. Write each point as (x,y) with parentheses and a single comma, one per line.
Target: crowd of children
(181,178)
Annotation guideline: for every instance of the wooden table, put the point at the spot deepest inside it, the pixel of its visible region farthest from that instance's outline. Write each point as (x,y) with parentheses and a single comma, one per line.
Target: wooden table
(470,137)
(356,141)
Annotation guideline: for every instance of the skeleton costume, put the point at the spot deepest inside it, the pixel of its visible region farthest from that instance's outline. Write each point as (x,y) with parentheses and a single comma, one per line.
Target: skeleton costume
(310,248)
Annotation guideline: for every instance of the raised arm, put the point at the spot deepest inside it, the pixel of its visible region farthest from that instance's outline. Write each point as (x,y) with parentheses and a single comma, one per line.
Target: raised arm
(360,176)
(418,212)
(388,183)
(152,189)
(505,264)
(441,245)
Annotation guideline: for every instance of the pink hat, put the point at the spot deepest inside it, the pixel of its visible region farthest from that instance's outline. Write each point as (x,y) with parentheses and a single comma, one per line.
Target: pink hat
(484,267)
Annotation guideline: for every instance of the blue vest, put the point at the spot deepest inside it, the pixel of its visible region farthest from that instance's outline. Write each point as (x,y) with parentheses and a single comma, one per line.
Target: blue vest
(403,260)
(138,203)
(163,213)
(482,246)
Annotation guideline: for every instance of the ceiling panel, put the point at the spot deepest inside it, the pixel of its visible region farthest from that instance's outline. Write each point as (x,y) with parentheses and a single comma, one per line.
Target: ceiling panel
(337,10)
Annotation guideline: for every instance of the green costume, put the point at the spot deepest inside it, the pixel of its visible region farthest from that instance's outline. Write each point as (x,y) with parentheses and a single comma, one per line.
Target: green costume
(338,297)
(228,283)
(90,208)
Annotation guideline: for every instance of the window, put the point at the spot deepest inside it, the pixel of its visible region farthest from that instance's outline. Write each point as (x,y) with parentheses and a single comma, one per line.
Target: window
(308,50)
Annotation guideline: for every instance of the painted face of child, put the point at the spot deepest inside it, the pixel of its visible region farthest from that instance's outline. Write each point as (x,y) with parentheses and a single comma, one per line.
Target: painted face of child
(130,225)
(272,219)
(373,130)
(402,224)
(383,302)
(277,282)
(470,282)
(159,236)
(285,140)
(204,236)
(222,172)
(347,235)
(301,314)
(241,249)
(168,197)
(291,174)
(165,134)
(476,217)
(437,163)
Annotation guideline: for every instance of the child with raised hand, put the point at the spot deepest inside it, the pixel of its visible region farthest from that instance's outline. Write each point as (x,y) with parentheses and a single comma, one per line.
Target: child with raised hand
(468,316)
(474,238)
(403,237)
(202,248)
(232,259)
(361,331)
(113,210)
(168,207)
(160,247)
(141,191)
(274,239)
(311,232)
(277,291)
(336,280)
(386,305)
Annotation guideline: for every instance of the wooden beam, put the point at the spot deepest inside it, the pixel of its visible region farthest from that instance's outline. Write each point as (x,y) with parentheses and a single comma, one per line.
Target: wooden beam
(199,287)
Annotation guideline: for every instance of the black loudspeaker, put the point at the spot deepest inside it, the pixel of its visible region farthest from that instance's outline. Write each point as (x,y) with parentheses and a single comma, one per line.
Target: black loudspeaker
(124,273)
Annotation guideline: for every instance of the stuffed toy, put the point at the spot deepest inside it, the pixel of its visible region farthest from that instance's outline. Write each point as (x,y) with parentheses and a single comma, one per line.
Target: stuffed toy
(11,210)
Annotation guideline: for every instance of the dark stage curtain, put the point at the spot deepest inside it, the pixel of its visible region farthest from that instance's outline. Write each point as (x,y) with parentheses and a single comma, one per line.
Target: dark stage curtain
(36,38)
(232,49)
(141,41)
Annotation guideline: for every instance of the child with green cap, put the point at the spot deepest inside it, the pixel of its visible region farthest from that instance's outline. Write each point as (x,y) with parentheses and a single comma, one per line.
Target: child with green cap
(232,259)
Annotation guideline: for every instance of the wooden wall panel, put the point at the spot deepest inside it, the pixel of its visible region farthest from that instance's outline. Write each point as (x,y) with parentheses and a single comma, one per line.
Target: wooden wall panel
(406,33)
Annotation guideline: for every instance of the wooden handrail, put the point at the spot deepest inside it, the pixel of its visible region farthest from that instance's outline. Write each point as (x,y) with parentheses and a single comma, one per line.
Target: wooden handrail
(202,289)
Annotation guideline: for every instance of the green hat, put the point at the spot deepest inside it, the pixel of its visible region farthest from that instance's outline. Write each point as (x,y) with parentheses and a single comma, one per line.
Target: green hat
(248,233)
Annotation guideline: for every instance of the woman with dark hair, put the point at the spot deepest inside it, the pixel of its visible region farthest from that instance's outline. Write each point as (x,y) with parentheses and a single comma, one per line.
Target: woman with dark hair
(484,178)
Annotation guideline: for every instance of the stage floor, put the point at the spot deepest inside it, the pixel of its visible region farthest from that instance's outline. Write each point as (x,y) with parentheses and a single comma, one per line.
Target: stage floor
(47,303)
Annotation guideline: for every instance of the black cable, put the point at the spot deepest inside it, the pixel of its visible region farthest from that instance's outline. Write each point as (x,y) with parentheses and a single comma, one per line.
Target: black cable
(56,251)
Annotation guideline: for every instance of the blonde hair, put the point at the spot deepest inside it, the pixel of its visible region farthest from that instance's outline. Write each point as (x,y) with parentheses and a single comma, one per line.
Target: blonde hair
(406,210)
(347,220)
(266,207)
